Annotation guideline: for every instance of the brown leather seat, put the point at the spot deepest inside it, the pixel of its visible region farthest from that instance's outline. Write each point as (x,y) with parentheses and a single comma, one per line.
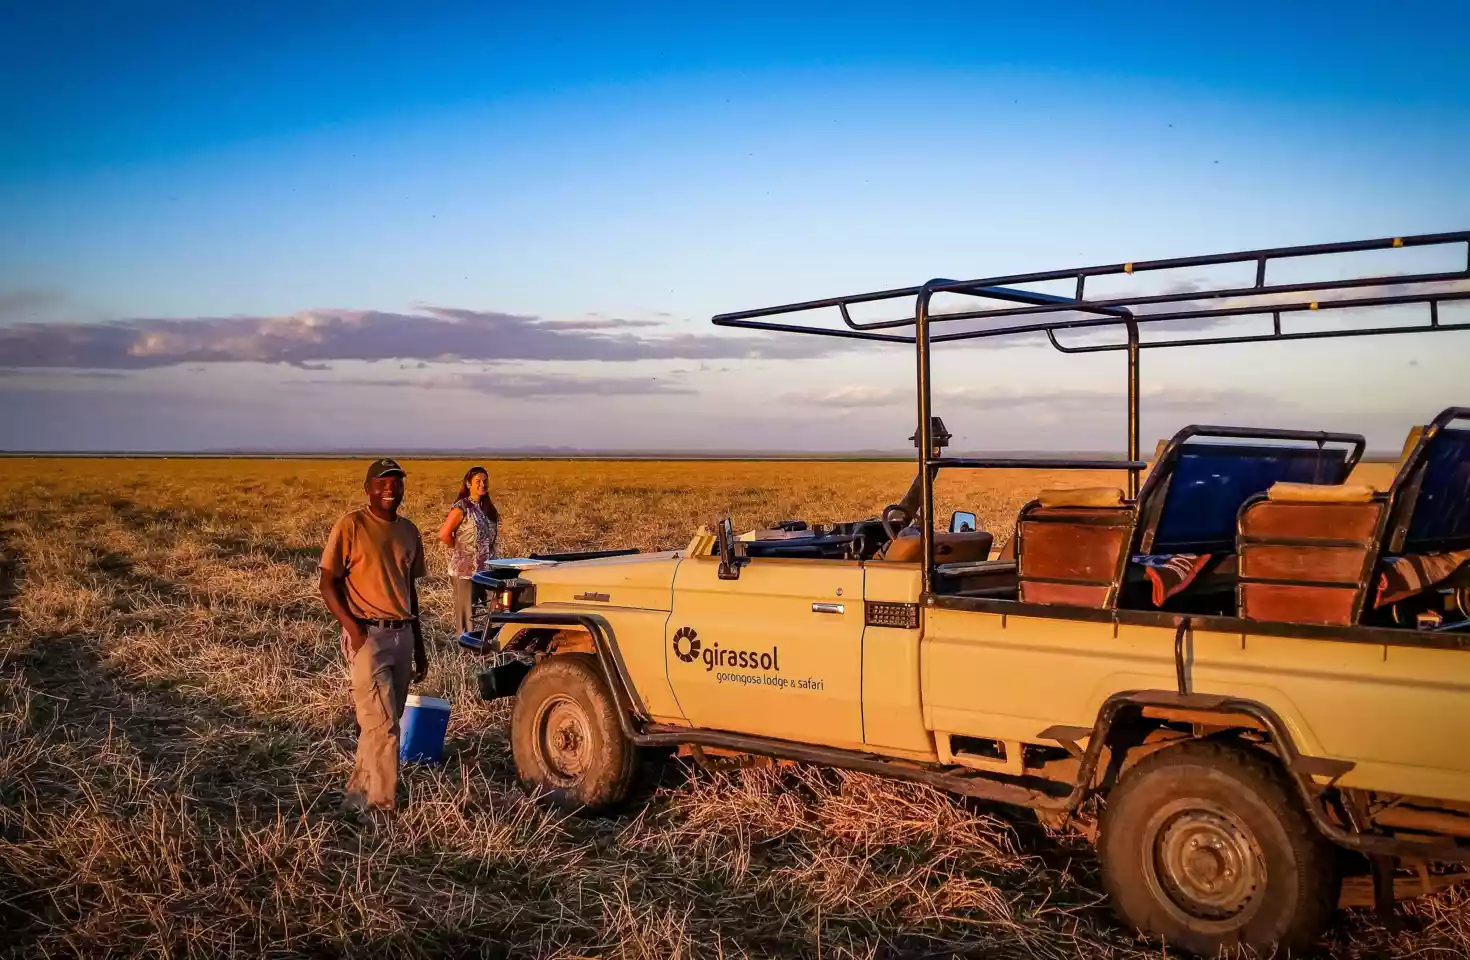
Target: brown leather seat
(948,548)
(967,547)
(1306,555)
(1304,552)
(1070,546)
(964,547)
(1410,442)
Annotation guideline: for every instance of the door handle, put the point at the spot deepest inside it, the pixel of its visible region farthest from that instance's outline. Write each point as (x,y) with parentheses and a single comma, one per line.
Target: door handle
(826,608)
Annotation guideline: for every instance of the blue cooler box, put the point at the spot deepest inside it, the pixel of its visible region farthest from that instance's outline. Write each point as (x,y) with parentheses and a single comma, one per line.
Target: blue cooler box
(421,731)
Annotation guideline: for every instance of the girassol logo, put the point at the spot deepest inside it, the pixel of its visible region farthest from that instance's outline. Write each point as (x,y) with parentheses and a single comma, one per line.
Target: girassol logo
(687,647)
(686,644)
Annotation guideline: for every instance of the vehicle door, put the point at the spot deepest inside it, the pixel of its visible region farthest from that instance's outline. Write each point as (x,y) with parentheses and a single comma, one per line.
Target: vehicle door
(893,715)
(775,652)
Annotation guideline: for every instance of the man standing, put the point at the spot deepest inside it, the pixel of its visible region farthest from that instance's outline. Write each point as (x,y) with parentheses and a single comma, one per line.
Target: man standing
(369,567)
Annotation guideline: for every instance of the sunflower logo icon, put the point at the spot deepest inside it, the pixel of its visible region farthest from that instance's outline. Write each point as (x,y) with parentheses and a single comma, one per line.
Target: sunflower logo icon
(686,645)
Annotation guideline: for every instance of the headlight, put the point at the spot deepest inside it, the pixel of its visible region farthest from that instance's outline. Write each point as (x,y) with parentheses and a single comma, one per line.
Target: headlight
(513,594)
(506,594)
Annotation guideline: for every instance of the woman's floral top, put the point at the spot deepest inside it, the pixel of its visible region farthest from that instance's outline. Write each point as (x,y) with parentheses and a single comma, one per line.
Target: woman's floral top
(474,542)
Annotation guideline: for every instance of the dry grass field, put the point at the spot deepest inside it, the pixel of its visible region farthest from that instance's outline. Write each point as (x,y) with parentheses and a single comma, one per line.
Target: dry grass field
(174,719)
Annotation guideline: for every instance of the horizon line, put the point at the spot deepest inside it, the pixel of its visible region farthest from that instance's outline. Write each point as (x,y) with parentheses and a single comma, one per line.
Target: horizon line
(563,453)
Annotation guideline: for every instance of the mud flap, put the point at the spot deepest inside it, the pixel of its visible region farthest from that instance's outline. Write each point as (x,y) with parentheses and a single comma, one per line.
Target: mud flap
(1383,892)
(503,679)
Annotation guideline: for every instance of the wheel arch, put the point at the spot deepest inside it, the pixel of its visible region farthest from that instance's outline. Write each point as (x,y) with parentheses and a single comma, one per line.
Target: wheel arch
(555,634)
(1126,719)
(550,638)
(1148,721)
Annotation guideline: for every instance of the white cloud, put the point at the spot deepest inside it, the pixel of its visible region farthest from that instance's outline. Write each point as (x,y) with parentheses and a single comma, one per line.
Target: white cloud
(430,334)
(511,385)
(856,395)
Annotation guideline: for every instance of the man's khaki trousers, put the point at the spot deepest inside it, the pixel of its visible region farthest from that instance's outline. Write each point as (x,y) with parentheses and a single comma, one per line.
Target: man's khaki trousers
(380,672)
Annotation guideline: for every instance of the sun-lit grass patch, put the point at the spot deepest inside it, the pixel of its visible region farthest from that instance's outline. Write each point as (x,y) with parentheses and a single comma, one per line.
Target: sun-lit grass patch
(173,719)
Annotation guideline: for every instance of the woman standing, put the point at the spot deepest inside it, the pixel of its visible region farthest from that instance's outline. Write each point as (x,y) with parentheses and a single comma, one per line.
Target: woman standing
(470,532)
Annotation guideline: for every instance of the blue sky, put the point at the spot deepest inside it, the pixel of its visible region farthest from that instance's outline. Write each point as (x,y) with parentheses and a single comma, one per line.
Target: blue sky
(185,187)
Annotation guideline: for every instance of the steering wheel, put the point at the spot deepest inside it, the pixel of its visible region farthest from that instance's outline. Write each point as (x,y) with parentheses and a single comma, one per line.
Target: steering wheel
(892,527)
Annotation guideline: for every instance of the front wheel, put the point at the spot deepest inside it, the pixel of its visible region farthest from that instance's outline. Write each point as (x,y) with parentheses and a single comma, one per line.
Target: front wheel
(565,736)
(1203,846)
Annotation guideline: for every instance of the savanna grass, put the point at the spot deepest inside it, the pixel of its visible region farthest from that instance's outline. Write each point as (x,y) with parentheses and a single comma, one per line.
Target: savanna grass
(174,729)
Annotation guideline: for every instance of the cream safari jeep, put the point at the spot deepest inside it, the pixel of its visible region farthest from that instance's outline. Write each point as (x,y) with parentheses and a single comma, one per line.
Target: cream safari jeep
(1224,676)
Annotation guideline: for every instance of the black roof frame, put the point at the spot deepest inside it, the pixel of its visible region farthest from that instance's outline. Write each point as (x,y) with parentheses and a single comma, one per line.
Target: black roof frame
(1049,313)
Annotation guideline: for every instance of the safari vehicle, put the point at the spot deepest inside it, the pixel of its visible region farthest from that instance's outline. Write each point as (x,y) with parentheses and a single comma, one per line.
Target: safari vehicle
(1243,678)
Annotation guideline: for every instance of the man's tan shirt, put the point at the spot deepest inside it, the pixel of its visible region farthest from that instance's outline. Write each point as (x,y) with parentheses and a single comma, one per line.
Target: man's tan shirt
(378,559)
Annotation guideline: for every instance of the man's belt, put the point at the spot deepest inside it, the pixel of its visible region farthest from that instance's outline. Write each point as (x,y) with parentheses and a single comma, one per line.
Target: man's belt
(366,622)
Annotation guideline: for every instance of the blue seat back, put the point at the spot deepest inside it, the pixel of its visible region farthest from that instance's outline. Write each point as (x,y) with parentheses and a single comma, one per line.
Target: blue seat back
(1210,482)
(1441,511)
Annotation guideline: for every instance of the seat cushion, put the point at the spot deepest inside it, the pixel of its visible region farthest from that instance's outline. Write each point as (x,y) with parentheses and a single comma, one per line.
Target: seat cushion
(1082,497)
(948,548)
(966,547)
(903,549)
(1321,493)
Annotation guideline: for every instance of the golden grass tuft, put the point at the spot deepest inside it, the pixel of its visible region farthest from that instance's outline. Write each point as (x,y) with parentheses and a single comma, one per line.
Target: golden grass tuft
(174,724)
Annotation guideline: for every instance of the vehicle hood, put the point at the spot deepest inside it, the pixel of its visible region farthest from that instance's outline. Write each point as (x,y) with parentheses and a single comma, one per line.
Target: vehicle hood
(644,580)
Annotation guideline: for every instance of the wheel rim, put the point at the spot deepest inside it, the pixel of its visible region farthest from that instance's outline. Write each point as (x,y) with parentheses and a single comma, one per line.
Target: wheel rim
(563,740)
(1204,865)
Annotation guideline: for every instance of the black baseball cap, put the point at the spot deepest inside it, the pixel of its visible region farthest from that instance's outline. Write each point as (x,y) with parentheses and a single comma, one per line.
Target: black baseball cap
(383,468)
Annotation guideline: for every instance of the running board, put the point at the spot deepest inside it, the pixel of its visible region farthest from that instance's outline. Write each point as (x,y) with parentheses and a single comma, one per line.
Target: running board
(979,787)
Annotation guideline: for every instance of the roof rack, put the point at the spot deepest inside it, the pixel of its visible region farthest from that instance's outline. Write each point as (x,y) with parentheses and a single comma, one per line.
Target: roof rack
(1049,313)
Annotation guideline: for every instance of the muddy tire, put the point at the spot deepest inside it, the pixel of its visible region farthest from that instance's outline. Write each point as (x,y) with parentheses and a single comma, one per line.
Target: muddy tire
(1205,846)
(568,745)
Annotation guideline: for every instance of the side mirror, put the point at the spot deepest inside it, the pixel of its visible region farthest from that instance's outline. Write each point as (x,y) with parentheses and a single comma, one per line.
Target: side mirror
(962,522)
(729,563)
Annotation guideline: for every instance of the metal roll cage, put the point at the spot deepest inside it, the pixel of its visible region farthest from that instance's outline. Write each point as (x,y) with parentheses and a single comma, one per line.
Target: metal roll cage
(1051,313)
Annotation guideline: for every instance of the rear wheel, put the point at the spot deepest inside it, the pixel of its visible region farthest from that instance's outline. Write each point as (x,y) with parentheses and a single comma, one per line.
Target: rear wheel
(565,735)
(1204,846)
